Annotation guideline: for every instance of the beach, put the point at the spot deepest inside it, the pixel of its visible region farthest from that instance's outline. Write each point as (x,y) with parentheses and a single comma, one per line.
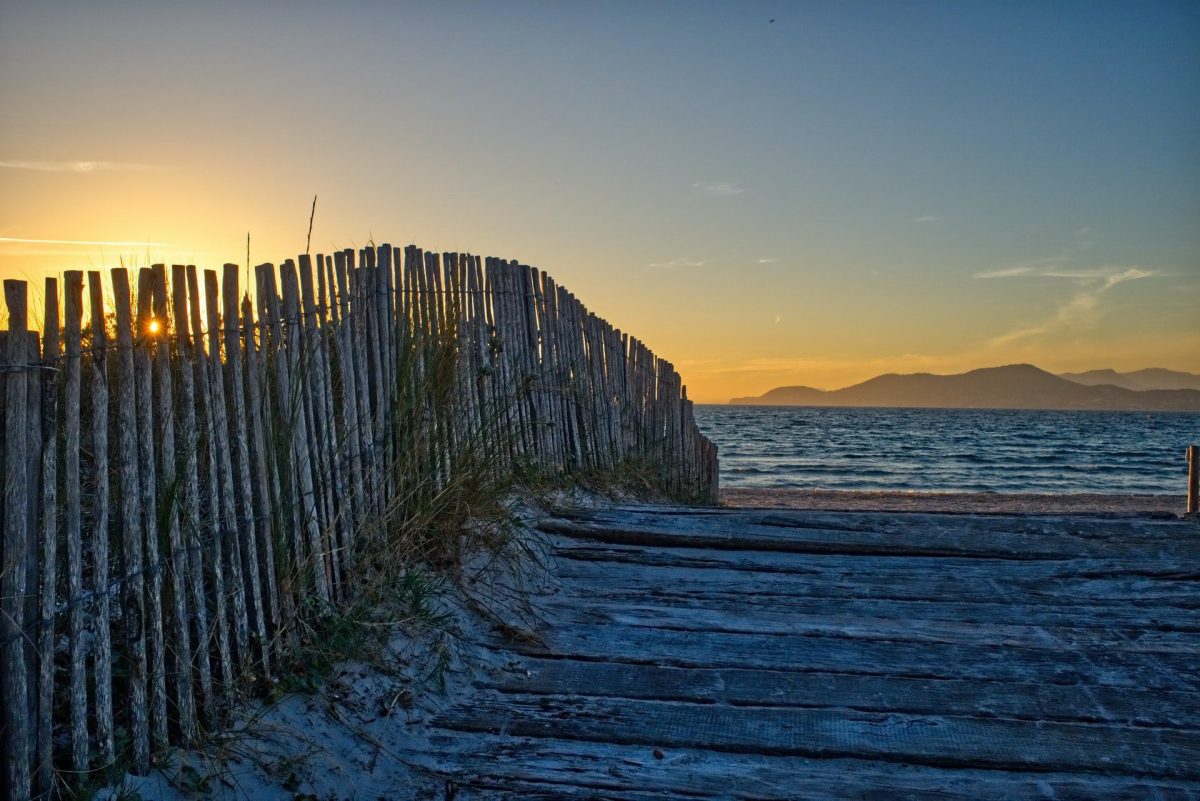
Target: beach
(953,502)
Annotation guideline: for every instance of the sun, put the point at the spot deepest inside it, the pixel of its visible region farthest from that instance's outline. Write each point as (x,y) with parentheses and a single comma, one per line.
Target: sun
(154,326)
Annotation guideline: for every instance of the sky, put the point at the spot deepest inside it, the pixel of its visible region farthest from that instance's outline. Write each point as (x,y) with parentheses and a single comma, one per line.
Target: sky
(850,189)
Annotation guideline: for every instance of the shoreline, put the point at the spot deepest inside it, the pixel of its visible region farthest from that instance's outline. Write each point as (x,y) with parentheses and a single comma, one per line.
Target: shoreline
(952,502)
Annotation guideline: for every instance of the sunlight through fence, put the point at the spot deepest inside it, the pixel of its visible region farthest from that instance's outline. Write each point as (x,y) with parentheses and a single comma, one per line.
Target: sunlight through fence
(185,473)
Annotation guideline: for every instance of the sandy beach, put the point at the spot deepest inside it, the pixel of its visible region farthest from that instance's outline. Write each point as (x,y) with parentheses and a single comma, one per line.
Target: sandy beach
(954,502)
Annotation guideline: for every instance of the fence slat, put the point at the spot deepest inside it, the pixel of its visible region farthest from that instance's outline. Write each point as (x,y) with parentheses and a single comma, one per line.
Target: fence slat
(229,539)
(210,497)
(102,649)
(318,424)
(190,488)
(349,404)
(239,456)
(144,337)
(264,467)
(132,601)
(177,562)
(301,452)
(13,676)
(287,513)
(72,492)
(48,555)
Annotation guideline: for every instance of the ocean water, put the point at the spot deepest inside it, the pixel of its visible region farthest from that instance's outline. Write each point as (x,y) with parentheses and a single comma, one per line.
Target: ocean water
(951,450)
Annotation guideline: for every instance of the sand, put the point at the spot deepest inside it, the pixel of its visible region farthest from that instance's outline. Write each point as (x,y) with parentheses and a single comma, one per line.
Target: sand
(954,502)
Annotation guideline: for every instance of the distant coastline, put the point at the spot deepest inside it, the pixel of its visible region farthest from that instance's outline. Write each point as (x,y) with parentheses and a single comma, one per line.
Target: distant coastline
(1014,386)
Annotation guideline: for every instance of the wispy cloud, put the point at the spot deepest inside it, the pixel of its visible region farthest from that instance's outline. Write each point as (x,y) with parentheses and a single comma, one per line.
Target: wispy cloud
(1078,310)
(82,242)
(717,188)
(767,261)
(676,264)
(1056,267)
(76,166)
(927,218)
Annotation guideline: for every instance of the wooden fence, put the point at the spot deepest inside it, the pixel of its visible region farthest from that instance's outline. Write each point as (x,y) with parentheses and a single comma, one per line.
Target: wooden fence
(186,471)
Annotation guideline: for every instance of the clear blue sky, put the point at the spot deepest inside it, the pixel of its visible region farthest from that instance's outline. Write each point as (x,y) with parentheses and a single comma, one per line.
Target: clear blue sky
(851,189)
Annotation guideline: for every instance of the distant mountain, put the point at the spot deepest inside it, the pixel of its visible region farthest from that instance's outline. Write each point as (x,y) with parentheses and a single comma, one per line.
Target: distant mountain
(1150,378)
(1015,386)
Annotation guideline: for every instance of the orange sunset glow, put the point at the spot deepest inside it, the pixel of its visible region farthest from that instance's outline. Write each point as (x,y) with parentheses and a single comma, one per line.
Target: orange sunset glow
(756,226)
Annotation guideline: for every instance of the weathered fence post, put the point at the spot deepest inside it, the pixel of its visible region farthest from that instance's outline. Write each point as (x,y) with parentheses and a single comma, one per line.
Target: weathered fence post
(132,604)
(14,680)
(73,326)
(47,558)
(99,441)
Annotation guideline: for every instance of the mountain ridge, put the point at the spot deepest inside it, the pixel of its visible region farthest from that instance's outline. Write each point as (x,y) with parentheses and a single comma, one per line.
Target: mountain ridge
(1148,378)
(1013,386)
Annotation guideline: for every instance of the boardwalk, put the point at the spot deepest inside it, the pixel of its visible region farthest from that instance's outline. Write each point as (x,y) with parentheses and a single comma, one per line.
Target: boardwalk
(786,654)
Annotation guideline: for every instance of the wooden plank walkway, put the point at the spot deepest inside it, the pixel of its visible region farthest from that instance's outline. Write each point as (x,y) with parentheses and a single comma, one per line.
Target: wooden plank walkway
(778,655)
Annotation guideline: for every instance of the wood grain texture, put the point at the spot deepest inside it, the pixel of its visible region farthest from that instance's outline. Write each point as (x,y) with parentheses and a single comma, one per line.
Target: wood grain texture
(14,674)
(132,600)
(102,648)
(145,344)
(213,539)
(48,447)
(670,662)
(72,490)
(191,532)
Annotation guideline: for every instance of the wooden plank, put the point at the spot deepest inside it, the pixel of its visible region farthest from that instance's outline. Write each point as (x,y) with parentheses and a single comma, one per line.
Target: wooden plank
(72,518)
(885,625)
(610,642)
(191,531)
(1080,530)
(239,453)
(14,679)
(48,556)
(878,579)
(369,276)
(213,554)
(1001,611)
(1120,706)
(266,476)
(177,561)
(547,768)
(764,563)
(380,283)
(899,585)
(319,426)
(332,443)
(932,542)
(280,420)
(229,538)
(934,740)
(357,339)
(132,602)
(301,455)
(353,432)
(144,338)
(102,649)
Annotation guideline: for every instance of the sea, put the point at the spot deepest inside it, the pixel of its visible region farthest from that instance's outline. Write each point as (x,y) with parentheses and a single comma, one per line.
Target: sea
(951,450)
